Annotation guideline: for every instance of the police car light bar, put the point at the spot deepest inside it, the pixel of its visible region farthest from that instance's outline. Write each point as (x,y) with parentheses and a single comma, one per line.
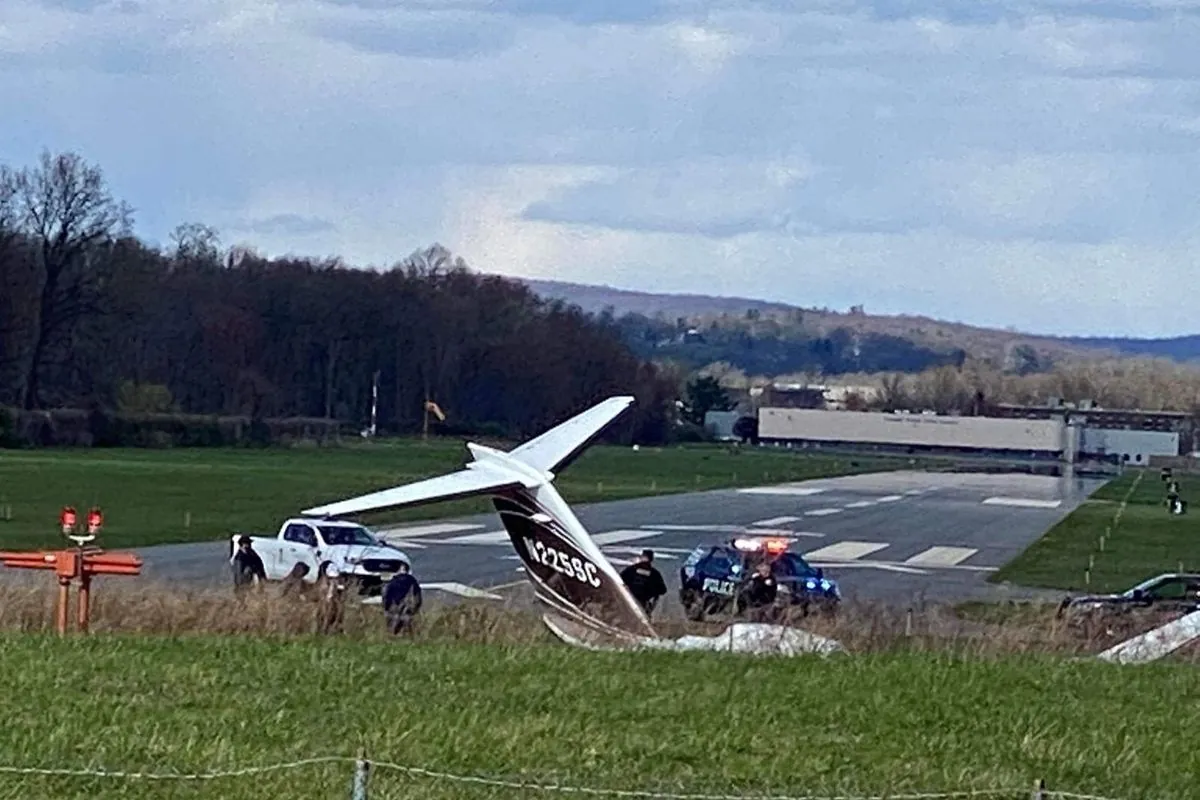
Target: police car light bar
(772,545)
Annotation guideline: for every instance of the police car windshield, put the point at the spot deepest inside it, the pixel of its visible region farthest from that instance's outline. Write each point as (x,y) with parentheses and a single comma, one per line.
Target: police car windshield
(721,560)
(342,534)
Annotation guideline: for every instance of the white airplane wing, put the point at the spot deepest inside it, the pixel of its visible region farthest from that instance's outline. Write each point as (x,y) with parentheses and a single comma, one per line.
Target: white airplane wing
(560,444)
(451,486)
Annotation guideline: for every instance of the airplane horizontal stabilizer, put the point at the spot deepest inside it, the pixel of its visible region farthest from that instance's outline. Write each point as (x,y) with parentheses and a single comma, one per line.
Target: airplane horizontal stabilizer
(451,486)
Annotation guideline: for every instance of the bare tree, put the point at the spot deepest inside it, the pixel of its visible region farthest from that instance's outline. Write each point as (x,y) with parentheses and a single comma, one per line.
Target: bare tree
(64,206)
(196,242)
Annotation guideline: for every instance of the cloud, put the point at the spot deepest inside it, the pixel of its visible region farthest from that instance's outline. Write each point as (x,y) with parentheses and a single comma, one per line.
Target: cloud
(286,225)
(1010,163)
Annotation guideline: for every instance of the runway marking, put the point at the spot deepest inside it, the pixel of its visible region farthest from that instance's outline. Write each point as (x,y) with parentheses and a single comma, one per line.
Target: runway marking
(860,504)
(659,552)
(430,530)
(462,590)
(735,529)
(623,535)
(891,498)
(403,543)
(800,491)
(885,566)
(491,537)
(942,556)
(898,566)
(720,528)
(774,521)
(1022,502)
(822,512)
(845,551)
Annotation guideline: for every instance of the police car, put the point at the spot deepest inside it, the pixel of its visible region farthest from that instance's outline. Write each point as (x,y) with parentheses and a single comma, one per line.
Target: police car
(713,577)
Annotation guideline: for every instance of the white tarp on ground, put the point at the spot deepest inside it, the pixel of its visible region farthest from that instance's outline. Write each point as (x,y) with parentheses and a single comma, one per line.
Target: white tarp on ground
(1157,642)
(740,637)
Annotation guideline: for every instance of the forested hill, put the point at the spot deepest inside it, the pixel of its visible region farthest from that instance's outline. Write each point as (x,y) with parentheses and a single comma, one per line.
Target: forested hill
(927,340)
(92,318)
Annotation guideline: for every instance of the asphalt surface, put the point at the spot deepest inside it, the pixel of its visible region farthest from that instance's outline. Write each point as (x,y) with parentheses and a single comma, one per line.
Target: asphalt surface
(899,537)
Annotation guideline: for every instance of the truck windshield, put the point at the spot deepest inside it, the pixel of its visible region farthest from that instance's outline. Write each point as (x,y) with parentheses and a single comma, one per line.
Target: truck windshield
(342,534)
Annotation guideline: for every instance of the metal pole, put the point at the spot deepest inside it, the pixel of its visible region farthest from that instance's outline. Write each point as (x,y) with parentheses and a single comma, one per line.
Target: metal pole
(85,586)
(361,770)
(64,594)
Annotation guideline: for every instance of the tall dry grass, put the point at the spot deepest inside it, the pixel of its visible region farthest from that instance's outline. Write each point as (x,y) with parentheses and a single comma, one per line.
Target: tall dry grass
(150,609)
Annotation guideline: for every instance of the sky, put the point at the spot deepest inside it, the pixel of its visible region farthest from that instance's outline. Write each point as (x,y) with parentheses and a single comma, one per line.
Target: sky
(1033,165)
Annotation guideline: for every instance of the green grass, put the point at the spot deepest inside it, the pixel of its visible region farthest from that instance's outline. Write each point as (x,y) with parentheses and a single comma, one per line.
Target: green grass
(1145,542)
(154,496)
(704,723)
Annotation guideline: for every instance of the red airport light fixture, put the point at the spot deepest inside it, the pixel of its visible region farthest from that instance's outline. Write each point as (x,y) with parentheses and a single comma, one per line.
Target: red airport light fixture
(76,563)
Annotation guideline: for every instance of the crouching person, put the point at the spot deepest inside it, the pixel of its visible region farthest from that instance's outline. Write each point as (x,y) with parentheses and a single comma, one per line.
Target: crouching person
(401,600)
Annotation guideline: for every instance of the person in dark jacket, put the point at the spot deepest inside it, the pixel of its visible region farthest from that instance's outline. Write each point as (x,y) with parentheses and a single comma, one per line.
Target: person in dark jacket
(760,592)
(247,566)
(644,581)
(401,600)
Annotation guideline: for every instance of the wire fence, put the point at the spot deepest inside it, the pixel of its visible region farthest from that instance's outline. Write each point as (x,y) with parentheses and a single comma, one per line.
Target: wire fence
(360,771)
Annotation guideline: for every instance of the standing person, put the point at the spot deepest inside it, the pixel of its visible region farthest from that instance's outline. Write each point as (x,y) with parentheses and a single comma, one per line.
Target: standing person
(401,600)
(247,566)
(333,600)
(760,593)
(644,581)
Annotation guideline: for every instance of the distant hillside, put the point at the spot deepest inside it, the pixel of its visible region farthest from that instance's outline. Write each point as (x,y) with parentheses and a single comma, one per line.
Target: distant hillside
(936,340)
(1179,348)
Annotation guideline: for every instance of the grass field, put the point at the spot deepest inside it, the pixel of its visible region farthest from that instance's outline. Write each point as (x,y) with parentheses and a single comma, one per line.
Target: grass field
(861,725)
(155,496)
(1142,542)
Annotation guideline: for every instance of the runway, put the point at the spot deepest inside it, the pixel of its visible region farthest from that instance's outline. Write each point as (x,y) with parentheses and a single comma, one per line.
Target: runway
(899,537)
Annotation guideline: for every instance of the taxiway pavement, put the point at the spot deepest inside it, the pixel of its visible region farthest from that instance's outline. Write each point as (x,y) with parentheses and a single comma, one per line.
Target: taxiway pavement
(897,537)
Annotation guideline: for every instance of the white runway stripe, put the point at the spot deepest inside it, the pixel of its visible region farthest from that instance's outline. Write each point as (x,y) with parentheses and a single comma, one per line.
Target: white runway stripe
(743,529)
(860,504)
(461,589)
(796,491)
(845,551)
(773,521)
(624,535)
(891,498)
(1022,502)
(822,512)
(404,543)
(491,537)
(429,530)
(942,556)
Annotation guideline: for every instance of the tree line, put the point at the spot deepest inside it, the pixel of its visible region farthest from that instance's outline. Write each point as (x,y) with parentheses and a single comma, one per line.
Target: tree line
(94,318)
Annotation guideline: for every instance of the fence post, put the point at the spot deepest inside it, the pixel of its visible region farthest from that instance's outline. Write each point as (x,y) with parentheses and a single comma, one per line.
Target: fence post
(361,769)
(1039,789)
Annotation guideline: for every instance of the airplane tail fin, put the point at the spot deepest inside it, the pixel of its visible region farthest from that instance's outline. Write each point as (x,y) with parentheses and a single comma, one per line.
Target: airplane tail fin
(553,449)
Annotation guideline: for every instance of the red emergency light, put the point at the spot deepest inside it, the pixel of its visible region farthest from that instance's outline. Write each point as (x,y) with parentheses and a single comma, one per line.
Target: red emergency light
(772,545)
(775,546)
(66,518)
(94,520)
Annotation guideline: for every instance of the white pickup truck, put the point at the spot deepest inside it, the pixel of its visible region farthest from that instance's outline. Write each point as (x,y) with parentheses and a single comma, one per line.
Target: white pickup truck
(319,543)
